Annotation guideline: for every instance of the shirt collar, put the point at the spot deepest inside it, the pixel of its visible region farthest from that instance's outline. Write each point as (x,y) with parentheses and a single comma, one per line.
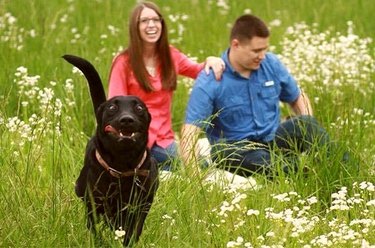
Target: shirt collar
(225,57)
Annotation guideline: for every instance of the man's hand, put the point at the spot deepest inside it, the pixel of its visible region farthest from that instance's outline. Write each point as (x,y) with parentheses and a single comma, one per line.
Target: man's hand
(189,137)
(302,105)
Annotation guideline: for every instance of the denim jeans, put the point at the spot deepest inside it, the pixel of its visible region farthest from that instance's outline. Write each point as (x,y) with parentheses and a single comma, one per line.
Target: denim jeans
(165,157)
(249,156)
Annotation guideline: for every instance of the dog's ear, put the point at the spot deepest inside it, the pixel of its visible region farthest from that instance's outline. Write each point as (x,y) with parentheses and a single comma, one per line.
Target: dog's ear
(149,118)
(148,115)
(99,115)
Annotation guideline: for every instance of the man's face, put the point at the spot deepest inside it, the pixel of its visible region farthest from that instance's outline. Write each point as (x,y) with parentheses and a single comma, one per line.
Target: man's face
(248,54)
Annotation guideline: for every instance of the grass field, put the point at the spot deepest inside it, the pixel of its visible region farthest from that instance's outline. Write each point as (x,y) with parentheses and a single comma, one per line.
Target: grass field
(46,119)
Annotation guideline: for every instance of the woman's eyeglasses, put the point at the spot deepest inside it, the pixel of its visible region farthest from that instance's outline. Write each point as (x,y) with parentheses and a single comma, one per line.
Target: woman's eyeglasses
(147,20)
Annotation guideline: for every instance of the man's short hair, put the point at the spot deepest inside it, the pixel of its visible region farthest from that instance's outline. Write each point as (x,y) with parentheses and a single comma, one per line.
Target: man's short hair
(248,26)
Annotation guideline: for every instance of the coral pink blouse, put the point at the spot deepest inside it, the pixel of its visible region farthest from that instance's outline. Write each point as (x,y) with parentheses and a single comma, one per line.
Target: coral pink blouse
(159,101)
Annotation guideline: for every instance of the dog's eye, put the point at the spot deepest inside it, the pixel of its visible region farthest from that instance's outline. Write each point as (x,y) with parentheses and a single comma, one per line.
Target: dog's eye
(139,108)
(112,107)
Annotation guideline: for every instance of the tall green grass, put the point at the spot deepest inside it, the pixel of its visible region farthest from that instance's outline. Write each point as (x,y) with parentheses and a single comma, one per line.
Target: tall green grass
(45,124)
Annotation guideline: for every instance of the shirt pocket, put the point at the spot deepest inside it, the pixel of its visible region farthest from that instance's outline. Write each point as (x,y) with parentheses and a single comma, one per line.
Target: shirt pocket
(233,112)
(269,102)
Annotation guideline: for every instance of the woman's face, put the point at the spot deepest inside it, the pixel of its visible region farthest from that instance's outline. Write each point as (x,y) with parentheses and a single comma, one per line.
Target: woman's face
(150,26)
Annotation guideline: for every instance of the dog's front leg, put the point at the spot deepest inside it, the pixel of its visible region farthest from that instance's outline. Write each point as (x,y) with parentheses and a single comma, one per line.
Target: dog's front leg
(95,209)
(135,227)
(91,219)
(139,225)
(129,240)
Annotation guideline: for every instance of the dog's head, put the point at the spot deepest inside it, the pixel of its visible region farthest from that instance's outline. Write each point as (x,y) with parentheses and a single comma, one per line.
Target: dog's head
(124,121)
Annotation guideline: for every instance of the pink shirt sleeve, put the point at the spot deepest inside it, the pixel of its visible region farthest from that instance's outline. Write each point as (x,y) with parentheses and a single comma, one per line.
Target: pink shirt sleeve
(118,78)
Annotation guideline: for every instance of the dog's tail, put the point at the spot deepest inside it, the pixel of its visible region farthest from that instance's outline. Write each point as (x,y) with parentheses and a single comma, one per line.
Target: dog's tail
(95,83)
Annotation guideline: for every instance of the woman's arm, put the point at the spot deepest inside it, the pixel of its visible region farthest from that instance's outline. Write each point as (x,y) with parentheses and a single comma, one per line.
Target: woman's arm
(187,67)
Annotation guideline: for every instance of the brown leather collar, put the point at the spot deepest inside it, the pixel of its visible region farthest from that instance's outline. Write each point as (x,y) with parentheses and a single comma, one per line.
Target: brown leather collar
(118,174)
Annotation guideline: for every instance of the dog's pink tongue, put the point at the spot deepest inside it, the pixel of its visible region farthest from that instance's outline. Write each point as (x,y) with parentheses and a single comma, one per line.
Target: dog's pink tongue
(110,129)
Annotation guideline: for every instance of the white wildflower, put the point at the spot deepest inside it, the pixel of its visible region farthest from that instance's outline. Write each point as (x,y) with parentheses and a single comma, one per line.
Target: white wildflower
(119,233)
(252,212)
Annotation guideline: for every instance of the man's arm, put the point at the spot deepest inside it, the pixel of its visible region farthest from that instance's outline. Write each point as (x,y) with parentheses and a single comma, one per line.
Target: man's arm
(302,105)
(189,137)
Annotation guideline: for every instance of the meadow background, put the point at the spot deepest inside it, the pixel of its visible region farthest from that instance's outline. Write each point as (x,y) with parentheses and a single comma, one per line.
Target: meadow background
(46,118)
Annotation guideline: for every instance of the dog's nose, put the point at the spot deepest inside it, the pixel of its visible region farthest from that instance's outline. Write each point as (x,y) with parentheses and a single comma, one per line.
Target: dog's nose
(126,120)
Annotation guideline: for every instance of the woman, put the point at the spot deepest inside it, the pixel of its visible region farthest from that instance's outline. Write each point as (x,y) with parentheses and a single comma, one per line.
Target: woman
(148,68)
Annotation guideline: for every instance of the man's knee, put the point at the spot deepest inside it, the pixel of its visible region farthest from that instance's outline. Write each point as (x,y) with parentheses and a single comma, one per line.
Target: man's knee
(305,130)
(314,132)
(254,161)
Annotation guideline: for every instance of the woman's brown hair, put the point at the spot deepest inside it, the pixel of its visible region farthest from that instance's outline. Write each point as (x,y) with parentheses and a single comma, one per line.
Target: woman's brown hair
(135,51)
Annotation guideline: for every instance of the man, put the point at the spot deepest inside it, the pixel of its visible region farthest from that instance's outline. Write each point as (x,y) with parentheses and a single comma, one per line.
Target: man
(240,114)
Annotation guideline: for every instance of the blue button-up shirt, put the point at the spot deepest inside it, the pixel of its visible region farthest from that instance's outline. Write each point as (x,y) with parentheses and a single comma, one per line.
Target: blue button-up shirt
(237,108)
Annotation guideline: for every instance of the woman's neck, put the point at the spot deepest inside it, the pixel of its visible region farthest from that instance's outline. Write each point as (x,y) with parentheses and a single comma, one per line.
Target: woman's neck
(149,51)
(149,58)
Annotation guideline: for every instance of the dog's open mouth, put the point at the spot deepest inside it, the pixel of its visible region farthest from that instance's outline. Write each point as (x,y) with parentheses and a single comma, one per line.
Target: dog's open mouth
(121,134)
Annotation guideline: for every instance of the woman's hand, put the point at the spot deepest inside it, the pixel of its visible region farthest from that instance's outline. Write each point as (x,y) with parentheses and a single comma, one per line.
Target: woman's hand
(216,64)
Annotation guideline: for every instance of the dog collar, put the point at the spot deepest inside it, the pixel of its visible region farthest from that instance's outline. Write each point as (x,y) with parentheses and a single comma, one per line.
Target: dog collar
(118,174)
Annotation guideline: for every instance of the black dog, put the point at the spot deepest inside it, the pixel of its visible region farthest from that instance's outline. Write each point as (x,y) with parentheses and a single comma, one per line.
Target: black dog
(119,178)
